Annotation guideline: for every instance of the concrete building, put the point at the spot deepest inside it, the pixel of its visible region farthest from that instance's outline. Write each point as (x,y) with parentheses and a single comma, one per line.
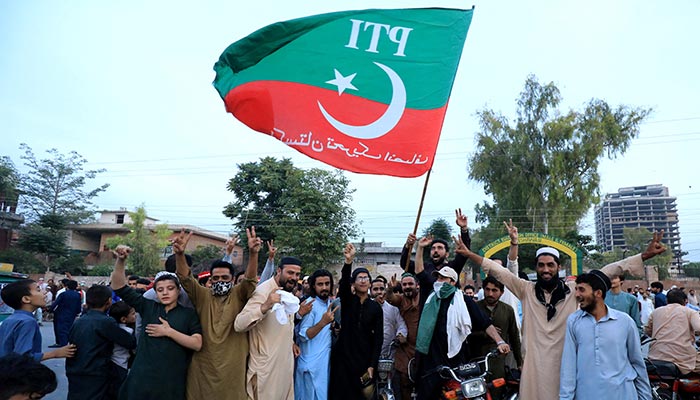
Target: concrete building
(9,219)
(90,239)
(648,206)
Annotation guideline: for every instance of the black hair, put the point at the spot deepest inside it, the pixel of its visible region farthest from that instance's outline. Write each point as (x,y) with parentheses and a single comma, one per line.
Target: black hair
(676,296)
(379,279)
(12,293)
(203,281)
(133,278)
(166,277)
(97,296)
(444,242)
(64,282)
(469,287)
(21,374)
(239,273)
(622,277)
(593,281)
(523,275)
(143,281)
(490,279)
(312,281)
(119,310)
(170,262)
(222,264)
(657,285)
(72,285)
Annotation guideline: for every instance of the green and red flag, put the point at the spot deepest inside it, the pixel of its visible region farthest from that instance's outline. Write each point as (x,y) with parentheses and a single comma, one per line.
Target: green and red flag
(365,91)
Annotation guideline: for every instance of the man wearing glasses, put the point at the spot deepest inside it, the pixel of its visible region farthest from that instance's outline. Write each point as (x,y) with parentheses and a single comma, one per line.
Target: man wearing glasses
(218,370)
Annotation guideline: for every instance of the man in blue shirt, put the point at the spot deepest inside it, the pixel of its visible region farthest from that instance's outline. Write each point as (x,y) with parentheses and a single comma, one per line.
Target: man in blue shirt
(602,356)
(621,301)
(657,288)
(20,332)
(65,309)
(313,364)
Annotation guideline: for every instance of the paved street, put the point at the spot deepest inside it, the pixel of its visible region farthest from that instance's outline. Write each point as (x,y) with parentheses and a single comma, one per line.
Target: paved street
(57,365)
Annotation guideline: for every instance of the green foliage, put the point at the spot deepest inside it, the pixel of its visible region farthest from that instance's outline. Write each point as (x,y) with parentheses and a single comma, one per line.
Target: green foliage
(9,182)
(637,240)
(100,270)
(542,169)
(146,242)
(24,261)
(73,263)
(440,229)
(46,238)
(206,253)
(690,269)
(56,186)
(306,212)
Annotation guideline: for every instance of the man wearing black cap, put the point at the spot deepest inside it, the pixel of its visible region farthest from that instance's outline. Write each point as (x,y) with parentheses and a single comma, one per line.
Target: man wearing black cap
(547,304)
(439,250)
(355,355)
(602,356)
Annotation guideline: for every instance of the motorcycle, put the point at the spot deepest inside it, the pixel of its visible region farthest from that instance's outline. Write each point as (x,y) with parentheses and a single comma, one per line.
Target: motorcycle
(667,383)
(385,373)
(471,380)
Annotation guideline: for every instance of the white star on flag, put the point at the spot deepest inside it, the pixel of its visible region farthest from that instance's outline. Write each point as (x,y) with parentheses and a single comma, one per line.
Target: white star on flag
(342,82)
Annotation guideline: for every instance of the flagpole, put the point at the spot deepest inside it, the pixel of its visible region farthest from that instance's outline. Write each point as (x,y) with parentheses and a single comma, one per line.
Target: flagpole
(420,210)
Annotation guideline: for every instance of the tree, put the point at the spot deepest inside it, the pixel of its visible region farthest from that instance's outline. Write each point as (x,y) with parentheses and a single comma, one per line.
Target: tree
(542,169)
(206,253)
(9,182)
(24,261)
(692,269)
(440,229)
(147,243)
(46,238)
(306,212)
(56,186)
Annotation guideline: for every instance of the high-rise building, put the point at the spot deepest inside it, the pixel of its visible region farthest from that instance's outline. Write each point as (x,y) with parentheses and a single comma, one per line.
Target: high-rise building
(647,206)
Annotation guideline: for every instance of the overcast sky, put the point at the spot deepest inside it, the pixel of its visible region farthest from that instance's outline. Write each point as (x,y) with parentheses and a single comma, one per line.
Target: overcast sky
(128,85)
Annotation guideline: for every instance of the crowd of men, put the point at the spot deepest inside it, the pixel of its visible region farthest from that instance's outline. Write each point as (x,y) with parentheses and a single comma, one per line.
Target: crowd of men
(229,335)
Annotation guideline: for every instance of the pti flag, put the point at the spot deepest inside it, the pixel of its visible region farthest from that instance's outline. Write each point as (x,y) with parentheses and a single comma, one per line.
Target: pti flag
(365,91)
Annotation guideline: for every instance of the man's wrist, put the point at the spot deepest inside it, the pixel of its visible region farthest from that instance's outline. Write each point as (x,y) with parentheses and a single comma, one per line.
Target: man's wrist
(500,342)
(513,243)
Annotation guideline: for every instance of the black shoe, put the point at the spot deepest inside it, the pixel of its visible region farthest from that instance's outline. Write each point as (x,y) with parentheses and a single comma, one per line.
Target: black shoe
(53,346)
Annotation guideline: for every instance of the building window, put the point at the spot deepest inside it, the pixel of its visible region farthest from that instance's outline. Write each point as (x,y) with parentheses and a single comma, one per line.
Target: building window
(120,218)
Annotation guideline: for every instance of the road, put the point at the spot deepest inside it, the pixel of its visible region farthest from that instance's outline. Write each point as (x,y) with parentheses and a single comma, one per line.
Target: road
(57,365)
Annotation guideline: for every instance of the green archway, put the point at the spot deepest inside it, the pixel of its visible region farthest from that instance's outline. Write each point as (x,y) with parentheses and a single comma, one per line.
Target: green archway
(537,238)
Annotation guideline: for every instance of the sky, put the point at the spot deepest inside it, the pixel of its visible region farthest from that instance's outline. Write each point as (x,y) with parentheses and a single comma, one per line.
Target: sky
(128,86)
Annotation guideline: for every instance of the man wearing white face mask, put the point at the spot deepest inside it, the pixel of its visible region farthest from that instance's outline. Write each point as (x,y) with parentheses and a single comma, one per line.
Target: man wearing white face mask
(448,317)
(218,371)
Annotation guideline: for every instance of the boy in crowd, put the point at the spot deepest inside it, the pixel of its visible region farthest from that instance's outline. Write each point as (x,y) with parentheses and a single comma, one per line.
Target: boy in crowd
(90,371)
(20,332)
(124,315)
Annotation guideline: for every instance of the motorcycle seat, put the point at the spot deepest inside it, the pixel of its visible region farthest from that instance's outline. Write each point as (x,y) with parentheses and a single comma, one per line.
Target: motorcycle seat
(663,369)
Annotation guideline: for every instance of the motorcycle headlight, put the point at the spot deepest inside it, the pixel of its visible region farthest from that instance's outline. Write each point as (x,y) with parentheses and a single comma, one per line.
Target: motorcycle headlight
(473,387)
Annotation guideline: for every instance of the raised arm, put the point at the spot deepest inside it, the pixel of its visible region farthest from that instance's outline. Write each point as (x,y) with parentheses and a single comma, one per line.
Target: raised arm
(635,263)
(229,247)
(406,264)
(422,244)
(460,260)
(512,282)
(118,278)
(392,292)
(269,270)
(513,250)
(254,245)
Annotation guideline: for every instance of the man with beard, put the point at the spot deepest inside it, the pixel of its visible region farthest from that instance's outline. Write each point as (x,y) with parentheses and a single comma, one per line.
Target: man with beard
(271,334)
(394,325)
(503,317)
(439,250)
(602,356)
(313,364)
(355,355)
(218,370)
(547,304)
(408,304)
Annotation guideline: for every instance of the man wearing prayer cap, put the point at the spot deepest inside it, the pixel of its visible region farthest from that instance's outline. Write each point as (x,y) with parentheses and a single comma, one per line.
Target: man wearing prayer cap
(602,354)
(547,303)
